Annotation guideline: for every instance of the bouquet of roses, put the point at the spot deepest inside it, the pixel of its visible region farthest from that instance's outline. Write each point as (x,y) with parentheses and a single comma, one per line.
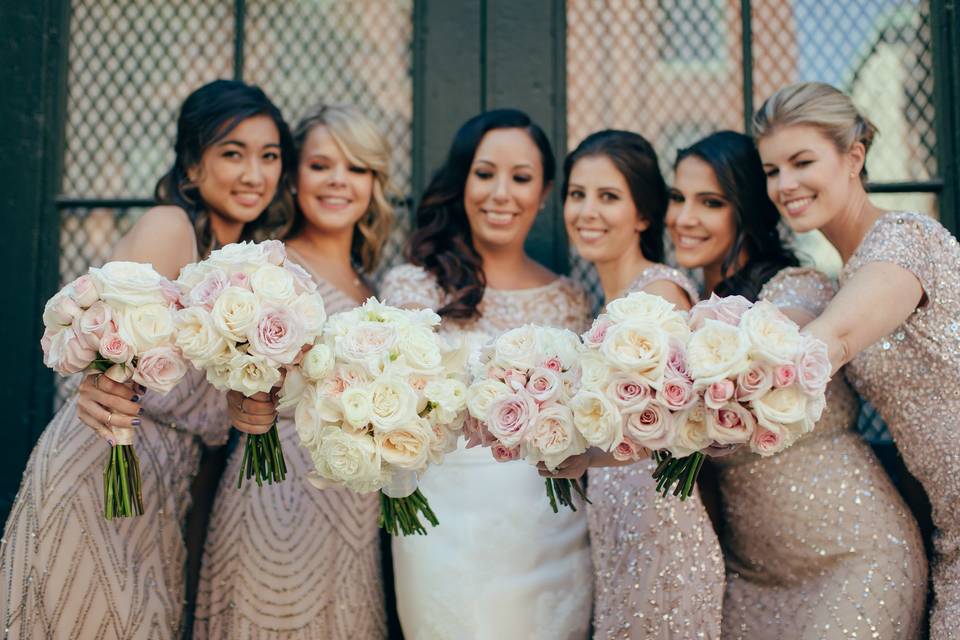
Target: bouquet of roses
(118,320)
(378,399)
(248,313)
(759,382)
(520,402)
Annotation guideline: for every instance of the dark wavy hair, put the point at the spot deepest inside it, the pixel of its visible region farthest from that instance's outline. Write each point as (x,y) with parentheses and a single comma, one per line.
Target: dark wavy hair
(207,116)
(441,242)
(636,161)
(739,171)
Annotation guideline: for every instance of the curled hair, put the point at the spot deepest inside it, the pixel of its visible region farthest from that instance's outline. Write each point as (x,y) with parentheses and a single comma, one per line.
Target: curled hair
(207,116)
(739,172)
(819,105)
(636,161)
(363,145)
(441,241)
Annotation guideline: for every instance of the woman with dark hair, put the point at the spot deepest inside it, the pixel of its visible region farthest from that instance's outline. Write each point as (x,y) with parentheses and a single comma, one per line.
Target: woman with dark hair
(817,541)
(290,559)
(647,583)
(501,564)
(67,572)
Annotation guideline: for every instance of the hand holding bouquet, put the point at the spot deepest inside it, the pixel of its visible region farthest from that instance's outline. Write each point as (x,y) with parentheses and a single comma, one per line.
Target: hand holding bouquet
(118,320)
(248,314)
(377,400)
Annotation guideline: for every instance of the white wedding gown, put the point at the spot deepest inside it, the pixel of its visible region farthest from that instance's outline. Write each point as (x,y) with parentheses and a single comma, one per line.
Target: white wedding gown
(500,565)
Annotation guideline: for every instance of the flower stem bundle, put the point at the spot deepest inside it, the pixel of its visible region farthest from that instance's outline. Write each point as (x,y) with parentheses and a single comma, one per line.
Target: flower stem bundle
(263,458)
(402,515)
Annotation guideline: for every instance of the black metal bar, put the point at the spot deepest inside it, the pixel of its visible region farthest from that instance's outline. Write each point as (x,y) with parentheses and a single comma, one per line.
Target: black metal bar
(946,48)
(746,43)
(239,26)
(908,186)
(64,202)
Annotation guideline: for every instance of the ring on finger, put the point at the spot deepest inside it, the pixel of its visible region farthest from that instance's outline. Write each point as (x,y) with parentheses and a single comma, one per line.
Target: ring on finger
(96,381)
(109,417)
(240,404)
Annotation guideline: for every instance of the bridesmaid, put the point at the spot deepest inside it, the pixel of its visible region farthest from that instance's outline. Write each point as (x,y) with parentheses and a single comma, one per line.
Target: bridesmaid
(501,564)
(658,570)
(817,541)
(905,360)
(68,572)
(290,560)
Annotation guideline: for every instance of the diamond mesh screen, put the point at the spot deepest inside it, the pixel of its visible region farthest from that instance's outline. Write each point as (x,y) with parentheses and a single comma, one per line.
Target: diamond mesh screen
(672,70)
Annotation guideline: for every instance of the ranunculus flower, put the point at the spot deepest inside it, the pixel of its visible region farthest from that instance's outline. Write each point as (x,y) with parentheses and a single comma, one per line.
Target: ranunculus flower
(728,310)
(754,382)
(730,424)
(719,393)
(356,406)
(160,369)
(813,365)
(651,428)
(317,363)
(597,419)
(554,438)
(449,394)
(510,417)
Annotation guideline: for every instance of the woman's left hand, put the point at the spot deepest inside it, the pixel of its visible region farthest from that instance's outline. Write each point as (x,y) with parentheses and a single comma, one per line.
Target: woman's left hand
(572,468)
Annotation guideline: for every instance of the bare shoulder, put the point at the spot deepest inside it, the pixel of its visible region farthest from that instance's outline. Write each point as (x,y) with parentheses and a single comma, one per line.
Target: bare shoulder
(670,291)
(163,237)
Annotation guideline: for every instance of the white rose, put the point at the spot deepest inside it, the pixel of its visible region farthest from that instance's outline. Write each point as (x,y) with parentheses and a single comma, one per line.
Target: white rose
(235,312)
(597,419)
(128,284)
(317,363)
(314,411)
(638,347)
(516,349)
(302,281)
(406,447)
(366,343)
(420,349)
(450,395)
(715,352)
(293,388)
(356,406)
(393,403)
(204,292)
(554,438)
(273,284)
(640,307)
(197,338)
(772,335)
(562,343)
(781,406)
(147,326)
(349,458)
(595,373)
(480,395)
(238,256)
(252,374)
(309,308)
(690,432)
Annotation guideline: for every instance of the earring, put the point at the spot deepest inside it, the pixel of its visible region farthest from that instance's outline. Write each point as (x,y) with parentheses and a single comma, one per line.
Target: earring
(853,174)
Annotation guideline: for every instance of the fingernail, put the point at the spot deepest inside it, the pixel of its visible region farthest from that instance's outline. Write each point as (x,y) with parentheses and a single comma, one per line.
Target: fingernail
(135,398)
(143,389)
(135,422)
(111,442)
(140,412)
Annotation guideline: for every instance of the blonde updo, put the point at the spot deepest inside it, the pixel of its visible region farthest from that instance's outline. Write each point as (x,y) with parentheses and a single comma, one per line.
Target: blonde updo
(364,145)
(819,105)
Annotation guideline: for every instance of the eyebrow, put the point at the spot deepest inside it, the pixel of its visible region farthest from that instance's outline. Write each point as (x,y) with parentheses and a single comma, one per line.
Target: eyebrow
(224,143)
(712,194)
(523,165)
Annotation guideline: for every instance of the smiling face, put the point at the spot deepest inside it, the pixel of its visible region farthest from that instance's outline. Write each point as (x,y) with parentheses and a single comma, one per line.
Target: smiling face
(504,189)
(808,179)
(598,209)
(700,219)
(333,192)
(237,177)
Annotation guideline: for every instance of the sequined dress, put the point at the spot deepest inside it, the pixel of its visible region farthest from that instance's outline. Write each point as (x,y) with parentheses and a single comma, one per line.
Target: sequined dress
(289,560)
(501,564)
(818,543)
(912,377)
(68,572)
(658,570)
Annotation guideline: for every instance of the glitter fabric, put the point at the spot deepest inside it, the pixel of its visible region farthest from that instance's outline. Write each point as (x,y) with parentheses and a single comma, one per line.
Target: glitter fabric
(912,377)
(818,543)
(501,564)
(289,560)
(657,562)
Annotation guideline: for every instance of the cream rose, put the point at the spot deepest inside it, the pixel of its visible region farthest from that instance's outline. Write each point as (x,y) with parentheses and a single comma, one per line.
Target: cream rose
(480,395)
(730,424)
(516,349)
(128,284)
(292,390)
(638,347)
(781,406)
(595,374)
(597,419)
(147,326)
(393,403)
(356,406)
(715,352)
(235,312)
(366,342)
(640,307)
(313,412)
(273,284)
(309,308)
(690,432)
(349,458)
(407,447)
(772,335)
(420,349)
(160,369)
(554,438)
(197,337)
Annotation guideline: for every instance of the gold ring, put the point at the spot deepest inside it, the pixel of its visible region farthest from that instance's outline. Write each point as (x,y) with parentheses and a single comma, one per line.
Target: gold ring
(109,417)
(96,382)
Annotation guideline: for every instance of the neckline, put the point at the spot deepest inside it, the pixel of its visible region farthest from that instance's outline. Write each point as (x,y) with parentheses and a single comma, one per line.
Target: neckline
(856,252)
(297,257)
(528,290)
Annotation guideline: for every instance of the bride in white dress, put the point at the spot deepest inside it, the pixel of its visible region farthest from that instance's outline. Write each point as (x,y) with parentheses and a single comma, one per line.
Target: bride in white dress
(501,564)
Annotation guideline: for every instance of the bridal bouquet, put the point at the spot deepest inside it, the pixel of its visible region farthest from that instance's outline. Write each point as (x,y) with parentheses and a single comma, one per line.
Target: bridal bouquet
(377,400)
(758,382)
(118,320)
(248,313)
(522,402)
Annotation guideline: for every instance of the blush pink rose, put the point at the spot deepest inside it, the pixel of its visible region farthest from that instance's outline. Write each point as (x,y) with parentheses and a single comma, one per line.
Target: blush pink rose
(718,393)
(502,453)
(83,291)
(302,282)
(93,323)
(629,395)
(205,293)
(651,427)
(784,375)
(273,251)
(114,348)
(629,450)
(63,310)
(240,279)
(514,379)
(813,365)
(544,384)
(728,309)
(476,433)
(170,293)
(69,354)
(676,393)
(160,369)
(766,442)
(598,331)
(553,364)
(677,362)
(279,334)
(511,417)
(730,424)
(754,382)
